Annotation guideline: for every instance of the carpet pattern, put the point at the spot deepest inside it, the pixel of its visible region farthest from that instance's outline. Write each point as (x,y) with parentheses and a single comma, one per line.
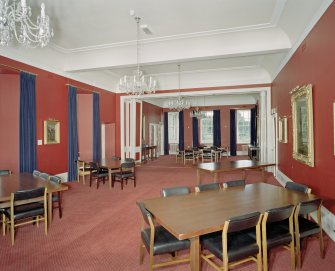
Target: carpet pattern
(100,229)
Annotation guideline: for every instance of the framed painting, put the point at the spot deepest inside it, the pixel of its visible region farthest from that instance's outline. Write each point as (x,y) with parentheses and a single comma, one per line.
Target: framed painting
(282,129)
(51,132)
(302,122)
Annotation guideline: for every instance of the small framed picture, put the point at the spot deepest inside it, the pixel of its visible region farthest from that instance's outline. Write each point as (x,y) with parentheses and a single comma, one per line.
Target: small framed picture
(51,132)
(282,129)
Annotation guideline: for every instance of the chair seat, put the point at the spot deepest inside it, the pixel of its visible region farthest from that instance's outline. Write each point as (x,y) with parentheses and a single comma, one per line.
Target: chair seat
(307,227)
(164,242)
(278,233)
(27,210)
(124,175)
(240,245)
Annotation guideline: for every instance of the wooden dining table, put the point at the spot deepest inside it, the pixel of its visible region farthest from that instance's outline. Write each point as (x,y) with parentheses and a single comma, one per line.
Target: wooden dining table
(24,181)
(190,216)
(214,168)
(112,166)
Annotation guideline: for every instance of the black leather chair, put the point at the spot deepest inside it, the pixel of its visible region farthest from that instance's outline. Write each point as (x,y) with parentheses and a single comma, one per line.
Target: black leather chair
(207,187)
(189,156)
(97,173)
(277,230)
(157,240)
(56,198)
(235,244)
(305,227)
(36,173)
(127,172)
(298,187)
(207,155)
(35,210)
(234,183)
(132,160)
(4,172)
(175,191)
(44,176)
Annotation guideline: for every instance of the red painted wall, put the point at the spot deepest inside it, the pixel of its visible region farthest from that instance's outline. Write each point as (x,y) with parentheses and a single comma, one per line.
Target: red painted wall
(312,63)
(51,102)
(153,114)
(110,139)
(85,126)
(9,132)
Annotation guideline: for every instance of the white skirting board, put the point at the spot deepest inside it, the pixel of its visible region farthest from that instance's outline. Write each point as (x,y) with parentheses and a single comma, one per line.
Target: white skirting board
(328,218)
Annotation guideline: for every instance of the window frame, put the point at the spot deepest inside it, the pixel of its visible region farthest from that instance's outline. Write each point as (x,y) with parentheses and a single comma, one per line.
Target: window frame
(238,140)
(175,115)
(206,115)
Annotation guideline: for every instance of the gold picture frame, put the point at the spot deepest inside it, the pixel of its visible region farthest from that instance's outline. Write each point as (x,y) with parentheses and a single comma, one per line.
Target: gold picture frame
(51,132)
(302,124)
(282,129)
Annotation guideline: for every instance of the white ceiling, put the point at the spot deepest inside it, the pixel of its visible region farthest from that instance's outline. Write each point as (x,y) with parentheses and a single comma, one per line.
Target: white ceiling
(217,42)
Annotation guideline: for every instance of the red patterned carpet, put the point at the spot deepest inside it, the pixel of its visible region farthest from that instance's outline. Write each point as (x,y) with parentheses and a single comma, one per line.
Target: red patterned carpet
(100,228)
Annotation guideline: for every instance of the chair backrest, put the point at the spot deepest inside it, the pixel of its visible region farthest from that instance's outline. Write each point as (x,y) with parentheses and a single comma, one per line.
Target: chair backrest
(116,158)
(207,187)
(279,214)
(29,194)
(129,160)
(94,166)
(145,213)
(56,179)
(44,176)
(298,187)
(234,183)
(307,207)
(128,165)
(36,173)
(174,191)
(4,172)
(243,222)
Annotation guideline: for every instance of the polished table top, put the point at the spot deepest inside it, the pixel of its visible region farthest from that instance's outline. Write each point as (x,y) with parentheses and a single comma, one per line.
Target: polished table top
(192,215)
(15,182)
(232,165)
(110,163)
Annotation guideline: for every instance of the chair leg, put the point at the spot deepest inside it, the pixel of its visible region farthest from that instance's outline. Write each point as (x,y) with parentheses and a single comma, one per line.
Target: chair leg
(259,261)
(98,183)
(134,181)
(298,253)
(121,183)
(265,259)
(113,180)
(322,254)
(3,225)
(90,180)
(60,212)
(12,232)
(292,255)
(142,250)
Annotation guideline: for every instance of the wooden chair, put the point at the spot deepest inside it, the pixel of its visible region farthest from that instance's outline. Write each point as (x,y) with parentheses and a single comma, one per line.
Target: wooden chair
(207,155)
(127,172)
(157,240)
(298,187)
(305,227)
(234,183)
(207,187)
(32,211)
(4,172)
(189,156)
(179,155)
(56,198)
(97,173)
(44,176)
(236,243)
(277,230)
(83,170)
(175,191)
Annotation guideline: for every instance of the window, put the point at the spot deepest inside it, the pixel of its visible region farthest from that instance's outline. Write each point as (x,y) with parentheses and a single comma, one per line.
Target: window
(173,126)
(206,127)
(243,126)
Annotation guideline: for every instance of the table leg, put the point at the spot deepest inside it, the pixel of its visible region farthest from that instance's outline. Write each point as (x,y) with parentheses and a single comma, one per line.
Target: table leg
(198,177)
(49,208)
(216,177)
(195,254)
(110,178)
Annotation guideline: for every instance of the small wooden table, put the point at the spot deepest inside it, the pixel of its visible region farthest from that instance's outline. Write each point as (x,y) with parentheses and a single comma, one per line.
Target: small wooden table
(24,181)
(112,166)
(225,166)
(190,216)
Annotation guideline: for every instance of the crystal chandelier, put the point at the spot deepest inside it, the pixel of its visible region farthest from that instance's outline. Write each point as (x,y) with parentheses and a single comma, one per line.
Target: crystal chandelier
(15,22)
(138,84)
(180,103)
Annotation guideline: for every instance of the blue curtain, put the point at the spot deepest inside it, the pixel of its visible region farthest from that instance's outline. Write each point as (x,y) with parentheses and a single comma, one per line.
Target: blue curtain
(166,133)
(96,128)
(253,126)
(72,154)
(195,131)
(181,130)
(216,128)
(27,126)
(233,132)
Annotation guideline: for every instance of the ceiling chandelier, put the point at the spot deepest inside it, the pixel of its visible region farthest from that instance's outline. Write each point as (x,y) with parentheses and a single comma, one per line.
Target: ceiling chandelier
(180,103)
(15,21)
(138,84)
